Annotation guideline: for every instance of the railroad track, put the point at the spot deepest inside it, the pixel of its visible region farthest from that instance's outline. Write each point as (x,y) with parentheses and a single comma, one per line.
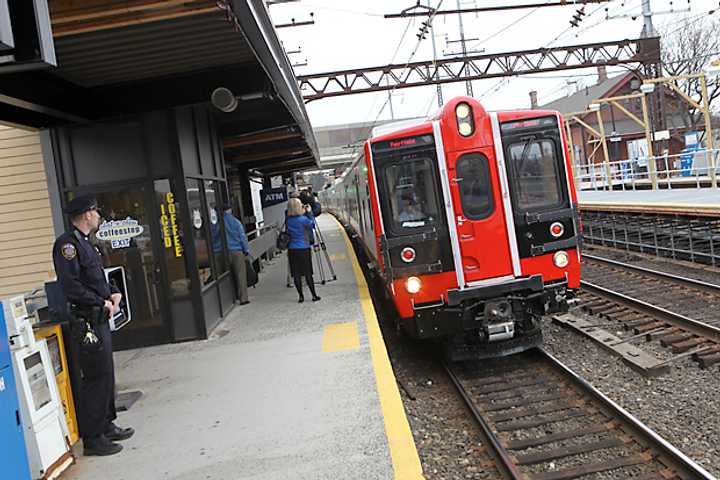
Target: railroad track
(682,334)
(543,422)
(697,299)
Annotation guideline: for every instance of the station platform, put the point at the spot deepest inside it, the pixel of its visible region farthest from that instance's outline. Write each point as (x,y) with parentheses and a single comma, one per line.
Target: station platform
(281,390)
(688,201)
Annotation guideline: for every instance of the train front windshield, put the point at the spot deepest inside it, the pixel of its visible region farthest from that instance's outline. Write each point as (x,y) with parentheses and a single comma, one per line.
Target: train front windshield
(411,191)
(537,182)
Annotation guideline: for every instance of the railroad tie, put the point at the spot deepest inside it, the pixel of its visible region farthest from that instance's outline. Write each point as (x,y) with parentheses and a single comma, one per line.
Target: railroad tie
(686,345)
(646,327)
(670,339)
(661,334)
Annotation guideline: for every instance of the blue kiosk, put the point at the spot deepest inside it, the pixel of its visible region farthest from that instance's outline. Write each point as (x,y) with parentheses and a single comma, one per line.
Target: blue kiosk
(13,456)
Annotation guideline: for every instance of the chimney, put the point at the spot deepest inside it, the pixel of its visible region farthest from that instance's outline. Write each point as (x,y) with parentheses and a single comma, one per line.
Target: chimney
(602,74)
(533,100)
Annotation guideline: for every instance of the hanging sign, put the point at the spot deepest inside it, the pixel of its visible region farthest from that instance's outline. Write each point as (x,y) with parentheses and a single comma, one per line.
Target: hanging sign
(273,196)
(168,222)
(119,232)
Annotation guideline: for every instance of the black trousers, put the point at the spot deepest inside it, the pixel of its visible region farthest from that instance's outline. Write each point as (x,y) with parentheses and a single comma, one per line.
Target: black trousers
(97,392)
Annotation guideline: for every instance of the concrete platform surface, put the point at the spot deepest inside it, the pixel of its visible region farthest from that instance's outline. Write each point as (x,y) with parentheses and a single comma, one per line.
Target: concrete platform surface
(281,390)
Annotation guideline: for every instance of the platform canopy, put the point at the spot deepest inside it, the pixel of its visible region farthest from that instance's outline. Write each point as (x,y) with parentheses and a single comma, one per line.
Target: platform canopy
(122,57)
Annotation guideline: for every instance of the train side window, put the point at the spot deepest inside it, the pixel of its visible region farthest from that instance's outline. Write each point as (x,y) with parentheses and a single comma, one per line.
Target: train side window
(476,195)
(410,189)
(535,174)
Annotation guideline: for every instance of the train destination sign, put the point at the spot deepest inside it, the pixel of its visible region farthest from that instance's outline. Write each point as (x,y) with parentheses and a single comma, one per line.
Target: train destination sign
(119,232)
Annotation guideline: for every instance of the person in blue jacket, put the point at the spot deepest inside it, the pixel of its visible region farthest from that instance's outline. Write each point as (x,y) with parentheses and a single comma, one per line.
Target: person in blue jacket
(300,224)
(239,248)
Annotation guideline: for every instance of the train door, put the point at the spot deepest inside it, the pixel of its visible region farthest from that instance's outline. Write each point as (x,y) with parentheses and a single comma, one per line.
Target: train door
(479,215)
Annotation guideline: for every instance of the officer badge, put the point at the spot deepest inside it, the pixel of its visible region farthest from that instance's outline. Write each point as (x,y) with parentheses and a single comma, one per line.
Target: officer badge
(68,251)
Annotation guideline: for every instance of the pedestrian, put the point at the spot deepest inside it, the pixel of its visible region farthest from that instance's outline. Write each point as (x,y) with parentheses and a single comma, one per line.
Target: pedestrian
(239,249)
(92,300)
(300,224)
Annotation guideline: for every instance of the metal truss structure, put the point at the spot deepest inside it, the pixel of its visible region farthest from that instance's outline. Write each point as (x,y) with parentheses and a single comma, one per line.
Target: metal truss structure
(645,51)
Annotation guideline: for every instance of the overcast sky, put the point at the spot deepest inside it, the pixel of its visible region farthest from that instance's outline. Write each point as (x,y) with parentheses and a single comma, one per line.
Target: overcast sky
(353,34)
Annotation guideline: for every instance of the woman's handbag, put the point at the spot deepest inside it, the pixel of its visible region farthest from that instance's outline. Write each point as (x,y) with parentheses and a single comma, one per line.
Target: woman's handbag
(283,239)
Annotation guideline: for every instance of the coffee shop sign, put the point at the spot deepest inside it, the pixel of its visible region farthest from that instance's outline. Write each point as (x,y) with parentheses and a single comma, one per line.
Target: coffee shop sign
(119,232)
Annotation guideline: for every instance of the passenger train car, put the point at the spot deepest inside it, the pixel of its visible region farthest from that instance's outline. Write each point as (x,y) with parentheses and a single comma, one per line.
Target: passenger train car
(469,218)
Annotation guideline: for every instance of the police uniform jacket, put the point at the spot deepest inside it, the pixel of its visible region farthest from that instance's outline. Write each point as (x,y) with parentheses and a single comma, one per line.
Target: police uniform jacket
(79,269)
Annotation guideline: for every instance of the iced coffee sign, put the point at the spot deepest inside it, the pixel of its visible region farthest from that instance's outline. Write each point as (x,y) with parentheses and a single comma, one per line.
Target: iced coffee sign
(119,232)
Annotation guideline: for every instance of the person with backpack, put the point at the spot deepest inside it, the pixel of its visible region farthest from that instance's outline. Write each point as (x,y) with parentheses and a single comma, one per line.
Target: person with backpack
(300,224)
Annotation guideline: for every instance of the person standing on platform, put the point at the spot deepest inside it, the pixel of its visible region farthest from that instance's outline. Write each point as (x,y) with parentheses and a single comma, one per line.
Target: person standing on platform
(300,224)
(238,245)
(80,273)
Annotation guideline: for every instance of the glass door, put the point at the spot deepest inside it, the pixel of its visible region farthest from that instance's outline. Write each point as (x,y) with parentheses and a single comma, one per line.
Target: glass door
(129,238)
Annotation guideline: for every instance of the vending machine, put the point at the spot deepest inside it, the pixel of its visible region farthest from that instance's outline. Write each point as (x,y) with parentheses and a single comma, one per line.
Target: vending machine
(13,457)
(41,412)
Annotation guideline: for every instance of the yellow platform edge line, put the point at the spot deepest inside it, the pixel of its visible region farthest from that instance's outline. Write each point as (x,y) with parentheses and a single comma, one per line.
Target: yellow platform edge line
(340,336)
(403,452)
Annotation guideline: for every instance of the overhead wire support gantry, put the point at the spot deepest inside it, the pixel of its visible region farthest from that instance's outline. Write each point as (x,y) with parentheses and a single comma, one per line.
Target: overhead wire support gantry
(477,67)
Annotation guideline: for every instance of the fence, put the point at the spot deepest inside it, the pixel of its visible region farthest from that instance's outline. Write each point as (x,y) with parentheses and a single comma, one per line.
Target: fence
(689,169)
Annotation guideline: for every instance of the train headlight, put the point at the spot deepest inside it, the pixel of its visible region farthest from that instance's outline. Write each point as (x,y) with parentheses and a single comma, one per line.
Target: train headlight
(413,285)
(561,259)
(465,123)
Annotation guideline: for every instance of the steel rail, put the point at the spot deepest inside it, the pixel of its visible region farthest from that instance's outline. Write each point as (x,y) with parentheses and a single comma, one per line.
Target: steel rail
(694,470)
(506,462)
(686,323)
(700,285)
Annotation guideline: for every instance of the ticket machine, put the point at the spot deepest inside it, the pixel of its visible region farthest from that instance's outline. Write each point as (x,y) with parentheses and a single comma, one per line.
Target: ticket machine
(13,457)
(41,413)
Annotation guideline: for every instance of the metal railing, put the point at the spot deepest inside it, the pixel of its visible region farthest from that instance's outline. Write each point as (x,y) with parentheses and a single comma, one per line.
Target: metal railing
(692,169)
(694,239)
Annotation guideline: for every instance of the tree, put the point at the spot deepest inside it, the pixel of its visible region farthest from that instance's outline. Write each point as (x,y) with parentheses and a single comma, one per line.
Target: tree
(689,48)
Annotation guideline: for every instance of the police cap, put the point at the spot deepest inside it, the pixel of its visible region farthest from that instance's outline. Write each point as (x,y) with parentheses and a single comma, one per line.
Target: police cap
(81,204)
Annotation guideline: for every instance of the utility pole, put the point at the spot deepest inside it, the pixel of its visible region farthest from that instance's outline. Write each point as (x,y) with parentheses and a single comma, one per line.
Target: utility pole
(648,29)
(439,86)
(468,83)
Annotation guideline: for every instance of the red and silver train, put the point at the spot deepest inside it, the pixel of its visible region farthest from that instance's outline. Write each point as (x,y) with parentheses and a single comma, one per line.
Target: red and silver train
(470,219)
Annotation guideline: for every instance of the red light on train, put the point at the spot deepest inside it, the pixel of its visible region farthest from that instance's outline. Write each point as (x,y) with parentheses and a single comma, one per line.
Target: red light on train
(407,254)
(557,229)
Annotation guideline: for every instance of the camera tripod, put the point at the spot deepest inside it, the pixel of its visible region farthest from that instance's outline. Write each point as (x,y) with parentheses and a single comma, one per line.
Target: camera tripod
(322,260)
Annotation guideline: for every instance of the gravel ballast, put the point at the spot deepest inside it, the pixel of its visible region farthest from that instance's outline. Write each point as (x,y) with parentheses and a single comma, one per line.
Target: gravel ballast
(681,406)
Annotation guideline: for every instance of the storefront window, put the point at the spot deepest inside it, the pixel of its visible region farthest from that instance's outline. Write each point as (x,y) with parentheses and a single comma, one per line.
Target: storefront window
(215,214)
(200,238)
(172,239)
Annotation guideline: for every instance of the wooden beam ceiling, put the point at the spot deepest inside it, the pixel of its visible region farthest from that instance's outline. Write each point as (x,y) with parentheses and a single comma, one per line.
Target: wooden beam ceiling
(72,17)
(262,137)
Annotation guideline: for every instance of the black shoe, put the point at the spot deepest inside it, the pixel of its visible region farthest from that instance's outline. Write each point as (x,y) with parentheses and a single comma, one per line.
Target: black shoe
(245,302)
(115,433)
(316,298)
(100,447)
(301,299)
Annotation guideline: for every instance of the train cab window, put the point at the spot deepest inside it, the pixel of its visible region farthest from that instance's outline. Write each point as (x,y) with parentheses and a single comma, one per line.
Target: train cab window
(411,193)
(476,195)
(536,175)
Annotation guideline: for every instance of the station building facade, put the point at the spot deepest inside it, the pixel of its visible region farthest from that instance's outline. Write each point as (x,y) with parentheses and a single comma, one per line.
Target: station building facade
(159,157)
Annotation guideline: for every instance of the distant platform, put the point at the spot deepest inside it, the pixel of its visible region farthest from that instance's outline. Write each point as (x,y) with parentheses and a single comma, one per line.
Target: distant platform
(685,201)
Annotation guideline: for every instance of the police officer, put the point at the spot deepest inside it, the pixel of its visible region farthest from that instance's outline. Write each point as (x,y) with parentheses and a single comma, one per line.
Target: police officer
(92,300)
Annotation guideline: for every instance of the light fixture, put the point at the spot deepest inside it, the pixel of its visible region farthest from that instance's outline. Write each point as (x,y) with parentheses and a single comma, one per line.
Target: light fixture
(464,118)
(647,87)
(557,229)
(413,285)
(407,254)
(594,107)
(224,100)
(561,259)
